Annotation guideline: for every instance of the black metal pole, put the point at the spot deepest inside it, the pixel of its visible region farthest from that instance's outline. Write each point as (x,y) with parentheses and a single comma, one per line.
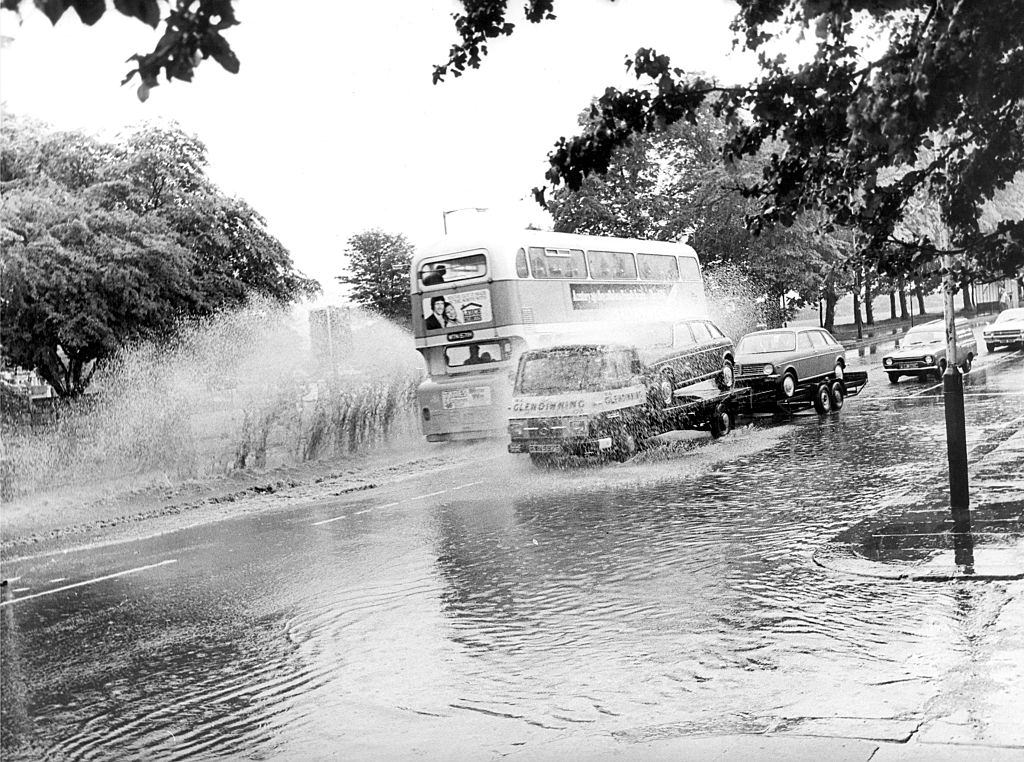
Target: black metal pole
(953,402)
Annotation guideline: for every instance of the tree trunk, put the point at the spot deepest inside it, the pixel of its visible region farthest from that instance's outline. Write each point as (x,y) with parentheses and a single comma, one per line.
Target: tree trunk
(856,305)
(965,286)
(869,298)
(920,300)
(903,299)
(892,305)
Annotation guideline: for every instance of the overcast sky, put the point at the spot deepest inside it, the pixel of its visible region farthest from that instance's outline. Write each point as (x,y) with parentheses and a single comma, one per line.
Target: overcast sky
(333,126)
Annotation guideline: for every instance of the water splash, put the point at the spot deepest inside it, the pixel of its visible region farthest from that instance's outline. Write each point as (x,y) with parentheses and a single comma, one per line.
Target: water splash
(235,391)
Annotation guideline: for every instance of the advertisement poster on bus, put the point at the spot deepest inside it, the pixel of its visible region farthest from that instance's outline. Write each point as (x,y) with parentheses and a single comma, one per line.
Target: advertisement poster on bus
(602,296)
(443,312)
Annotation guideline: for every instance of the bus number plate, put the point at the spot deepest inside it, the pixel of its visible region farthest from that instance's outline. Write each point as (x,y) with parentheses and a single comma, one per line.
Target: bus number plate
(474,396)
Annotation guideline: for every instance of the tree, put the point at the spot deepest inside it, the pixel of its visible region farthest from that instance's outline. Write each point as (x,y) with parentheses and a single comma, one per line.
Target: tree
(673,184)
(192,32)
(379,273)
(108,243)
(888,79)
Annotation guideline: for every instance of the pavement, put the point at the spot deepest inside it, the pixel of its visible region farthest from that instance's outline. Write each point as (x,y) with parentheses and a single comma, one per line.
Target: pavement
(918,540)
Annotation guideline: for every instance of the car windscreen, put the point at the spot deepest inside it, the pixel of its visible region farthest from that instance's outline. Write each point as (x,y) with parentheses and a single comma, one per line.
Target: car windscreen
(784,341)
(1014,314)
(923,337)
(573,372)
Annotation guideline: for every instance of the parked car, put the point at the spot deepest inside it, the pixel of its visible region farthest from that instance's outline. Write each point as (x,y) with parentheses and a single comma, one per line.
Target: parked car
(1006,331)
(690,351)
(922,352)
(785,358)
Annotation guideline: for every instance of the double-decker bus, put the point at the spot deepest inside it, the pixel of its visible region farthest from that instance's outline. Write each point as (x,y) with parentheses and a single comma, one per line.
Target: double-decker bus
(478,301)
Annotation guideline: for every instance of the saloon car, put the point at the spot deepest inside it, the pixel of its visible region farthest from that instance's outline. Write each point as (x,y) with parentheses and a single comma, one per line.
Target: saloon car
(786,358)
(922,352)
(1006,331)
(685,353)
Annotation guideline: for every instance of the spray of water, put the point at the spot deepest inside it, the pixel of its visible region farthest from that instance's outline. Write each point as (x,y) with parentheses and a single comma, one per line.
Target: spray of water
(238,391)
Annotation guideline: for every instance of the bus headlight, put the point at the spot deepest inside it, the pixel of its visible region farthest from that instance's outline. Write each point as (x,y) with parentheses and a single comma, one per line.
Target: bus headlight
(517,429)
(768,369)
(579,427)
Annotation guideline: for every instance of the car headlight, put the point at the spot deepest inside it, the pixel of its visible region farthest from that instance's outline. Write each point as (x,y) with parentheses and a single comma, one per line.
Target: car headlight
(578,427)
(929,359)
(887,361)
(768,369)
(517,429)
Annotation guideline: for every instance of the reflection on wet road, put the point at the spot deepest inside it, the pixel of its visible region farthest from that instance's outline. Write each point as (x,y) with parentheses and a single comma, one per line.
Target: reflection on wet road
(493,606)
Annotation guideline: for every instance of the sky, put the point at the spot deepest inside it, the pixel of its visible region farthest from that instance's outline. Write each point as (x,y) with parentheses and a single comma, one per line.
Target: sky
(333,126)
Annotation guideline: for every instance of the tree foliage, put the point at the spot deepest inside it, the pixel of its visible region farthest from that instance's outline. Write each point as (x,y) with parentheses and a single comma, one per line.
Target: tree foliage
(378,273)
(888,80)
(192,32)
(105,243)
(673,184)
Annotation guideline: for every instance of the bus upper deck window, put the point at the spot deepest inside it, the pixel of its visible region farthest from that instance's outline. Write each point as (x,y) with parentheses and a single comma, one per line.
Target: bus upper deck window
(611,265)
(557,263)
(453,269)
(657,267)
(522,270)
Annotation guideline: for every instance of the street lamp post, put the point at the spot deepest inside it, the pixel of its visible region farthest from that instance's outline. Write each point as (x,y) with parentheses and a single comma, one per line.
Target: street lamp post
(444,214)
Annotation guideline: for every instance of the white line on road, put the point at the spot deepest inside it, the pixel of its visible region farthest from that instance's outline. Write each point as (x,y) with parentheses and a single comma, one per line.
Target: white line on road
(89,582)
(391,505)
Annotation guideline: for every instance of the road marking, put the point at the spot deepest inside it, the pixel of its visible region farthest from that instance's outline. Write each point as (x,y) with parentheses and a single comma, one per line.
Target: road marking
(89,582)
(391,505)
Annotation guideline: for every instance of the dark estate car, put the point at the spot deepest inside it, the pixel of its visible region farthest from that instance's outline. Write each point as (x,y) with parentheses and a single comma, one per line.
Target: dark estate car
(784,358)
(922,352)
(688,352)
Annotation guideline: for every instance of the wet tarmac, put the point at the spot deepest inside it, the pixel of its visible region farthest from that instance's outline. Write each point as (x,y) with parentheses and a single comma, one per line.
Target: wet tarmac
(493,607)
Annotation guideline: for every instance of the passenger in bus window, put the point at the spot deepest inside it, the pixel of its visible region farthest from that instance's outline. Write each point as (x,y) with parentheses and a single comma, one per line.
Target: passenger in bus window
(450,316)
(435,276)
(435,320)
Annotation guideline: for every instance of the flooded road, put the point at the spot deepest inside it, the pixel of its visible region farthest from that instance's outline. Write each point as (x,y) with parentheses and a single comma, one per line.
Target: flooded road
(492,607)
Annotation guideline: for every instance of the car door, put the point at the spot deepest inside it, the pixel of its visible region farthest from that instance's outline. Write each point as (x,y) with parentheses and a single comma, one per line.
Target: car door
(805,362)
(704,360)
(824,353)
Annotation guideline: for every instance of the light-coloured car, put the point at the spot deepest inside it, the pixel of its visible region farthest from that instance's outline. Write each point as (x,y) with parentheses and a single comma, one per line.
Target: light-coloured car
(785,358)
(922,351)
(1006,331)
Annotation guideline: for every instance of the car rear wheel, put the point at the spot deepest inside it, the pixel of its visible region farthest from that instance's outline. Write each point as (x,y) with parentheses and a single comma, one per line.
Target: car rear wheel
(787,386)
(838,372)
(941,368)
(721,422)
(727,377)
(894,378)
(965,366)
(838,392)
(823,399)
